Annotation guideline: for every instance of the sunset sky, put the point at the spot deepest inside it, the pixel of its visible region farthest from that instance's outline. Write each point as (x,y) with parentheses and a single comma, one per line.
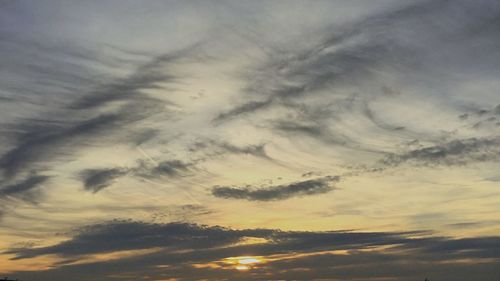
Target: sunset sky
(250,140)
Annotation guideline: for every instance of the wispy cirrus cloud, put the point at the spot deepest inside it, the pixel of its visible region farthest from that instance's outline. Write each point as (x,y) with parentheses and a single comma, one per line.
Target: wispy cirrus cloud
(358,58)
(25,189)
(95,180)
(36,144)
(455,152)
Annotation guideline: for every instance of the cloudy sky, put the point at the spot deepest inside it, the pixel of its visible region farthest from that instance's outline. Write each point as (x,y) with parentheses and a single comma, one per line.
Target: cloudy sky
(250,140)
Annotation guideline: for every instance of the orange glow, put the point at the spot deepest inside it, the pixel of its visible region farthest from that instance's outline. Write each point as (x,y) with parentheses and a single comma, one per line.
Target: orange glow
(243,262)
(248,261)
(242,267)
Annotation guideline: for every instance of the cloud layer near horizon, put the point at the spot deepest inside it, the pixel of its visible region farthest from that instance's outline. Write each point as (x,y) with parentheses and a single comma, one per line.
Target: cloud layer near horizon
(197,252)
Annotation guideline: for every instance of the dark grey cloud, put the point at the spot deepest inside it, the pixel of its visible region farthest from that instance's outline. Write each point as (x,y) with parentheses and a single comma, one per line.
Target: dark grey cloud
(279,192)
(332,62)
(257,150)
(455,152)
(166,168)
(214,148)
(40,141)
(67,91)
(130,235)
(143,136)
(185,212)
(39,70)
(313,130)
(97,179)
(377,266)
(24,189)
(244,108)
(145,77)
(318,121)
(404,257)
(481,118)
(359,56)
(170,168)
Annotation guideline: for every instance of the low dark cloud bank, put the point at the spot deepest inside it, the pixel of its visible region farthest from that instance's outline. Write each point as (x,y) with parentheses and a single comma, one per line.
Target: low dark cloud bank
(407,256)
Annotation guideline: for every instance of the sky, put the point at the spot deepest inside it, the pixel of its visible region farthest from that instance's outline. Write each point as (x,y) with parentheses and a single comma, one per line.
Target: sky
(250,140)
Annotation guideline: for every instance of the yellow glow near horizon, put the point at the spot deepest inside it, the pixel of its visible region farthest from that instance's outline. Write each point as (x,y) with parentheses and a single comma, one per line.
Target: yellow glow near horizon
(243,262)
(248,261)
(242,267)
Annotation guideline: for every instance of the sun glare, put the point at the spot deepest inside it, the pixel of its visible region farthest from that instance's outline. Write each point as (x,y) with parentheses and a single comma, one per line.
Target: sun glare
(248,261)
(244,262)
(242,267)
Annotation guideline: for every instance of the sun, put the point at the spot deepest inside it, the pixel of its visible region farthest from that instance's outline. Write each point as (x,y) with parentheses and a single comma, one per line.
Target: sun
(242,267)
(248,260)
(243,263)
